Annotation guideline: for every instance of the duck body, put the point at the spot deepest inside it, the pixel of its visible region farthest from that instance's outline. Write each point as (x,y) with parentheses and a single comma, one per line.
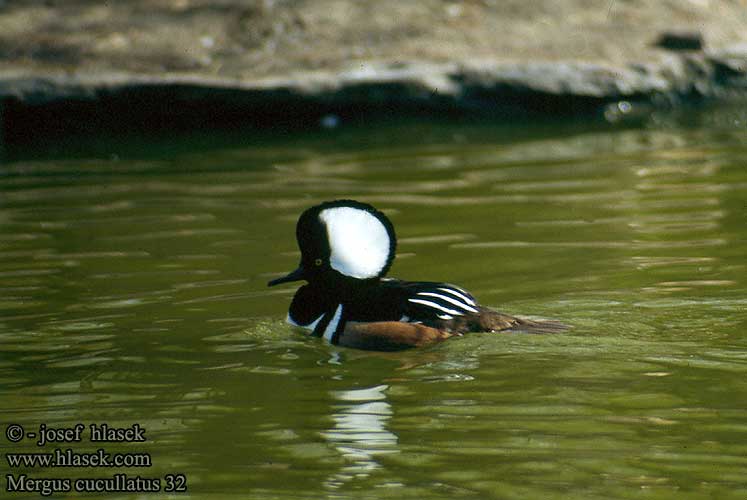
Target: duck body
(347,247)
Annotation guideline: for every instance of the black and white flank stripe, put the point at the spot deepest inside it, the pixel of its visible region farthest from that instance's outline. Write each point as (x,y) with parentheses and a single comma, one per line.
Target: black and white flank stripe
(444,301)
(328,325)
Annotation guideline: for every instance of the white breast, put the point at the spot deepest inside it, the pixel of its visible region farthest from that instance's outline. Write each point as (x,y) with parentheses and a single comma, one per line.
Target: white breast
(310,326)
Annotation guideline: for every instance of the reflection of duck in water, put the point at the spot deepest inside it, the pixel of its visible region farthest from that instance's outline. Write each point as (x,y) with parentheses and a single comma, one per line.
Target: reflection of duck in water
(360,432)
(347,247)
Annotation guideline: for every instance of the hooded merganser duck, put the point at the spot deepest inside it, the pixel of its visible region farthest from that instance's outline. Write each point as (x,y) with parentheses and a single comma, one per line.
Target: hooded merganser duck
(347,247)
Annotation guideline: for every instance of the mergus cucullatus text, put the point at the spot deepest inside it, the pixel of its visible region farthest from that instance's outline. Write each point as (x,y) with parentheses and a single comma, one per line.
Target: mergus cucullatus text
(347,247)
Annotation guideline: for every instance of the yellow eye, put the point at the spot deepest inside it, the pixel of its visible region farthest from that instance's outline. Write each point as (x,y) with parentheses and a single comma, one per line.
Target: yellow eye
(318,262)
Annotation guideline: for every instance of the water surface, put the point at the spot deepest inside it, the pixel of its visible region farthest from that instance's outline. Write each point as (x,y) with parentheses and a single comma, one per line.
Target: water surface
(132,290)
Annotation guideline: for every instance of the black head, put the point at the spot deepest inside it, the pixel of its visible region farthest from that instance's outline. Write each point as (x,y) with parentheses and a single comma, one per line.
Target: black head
(343,239)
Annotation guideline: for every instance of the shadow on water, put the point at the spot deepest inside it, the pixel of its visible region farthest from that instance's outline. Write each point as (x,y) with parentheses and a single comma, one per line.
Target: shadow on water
(333,133)
(323,136)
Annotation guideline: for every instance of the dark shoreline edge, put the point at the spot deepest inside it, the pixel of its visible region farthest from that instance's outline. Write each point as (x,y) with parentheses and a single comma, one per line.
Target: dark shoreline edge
(47,106)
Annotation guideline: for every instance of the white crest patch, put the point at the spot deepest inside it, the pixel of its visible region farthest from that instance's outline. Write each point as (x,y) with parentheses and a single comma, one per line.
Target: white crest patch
(358,241)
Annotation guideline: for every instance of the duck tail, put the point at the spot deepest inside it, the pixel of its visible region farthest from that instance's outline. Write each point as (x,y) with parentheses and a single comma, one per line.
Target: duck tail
(493,321)
(540,326)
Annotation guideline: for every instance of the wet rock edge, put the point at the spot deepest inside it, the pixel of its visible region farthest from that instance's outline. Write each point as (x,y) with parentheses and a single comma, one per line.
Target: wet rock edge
(34,105)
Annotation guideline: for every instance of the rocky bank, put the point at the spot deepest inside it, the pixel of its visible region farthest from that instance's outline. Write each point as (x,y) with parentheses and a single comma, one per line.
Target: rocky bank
(73,65)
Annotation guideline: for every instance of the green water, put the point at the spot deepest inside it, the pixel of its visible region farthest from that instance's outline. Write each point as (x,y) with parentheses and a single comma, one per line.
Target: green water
(132,290)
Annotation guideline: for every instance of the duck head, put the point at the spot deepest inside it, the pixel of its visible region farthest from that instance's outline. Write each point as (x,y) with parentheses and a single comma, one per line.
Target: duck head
(340,241)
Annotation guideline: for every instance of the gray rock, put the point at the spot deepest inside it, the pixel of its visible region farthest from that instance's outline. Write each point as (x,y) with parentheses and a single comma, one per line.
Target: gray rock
(94,66)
